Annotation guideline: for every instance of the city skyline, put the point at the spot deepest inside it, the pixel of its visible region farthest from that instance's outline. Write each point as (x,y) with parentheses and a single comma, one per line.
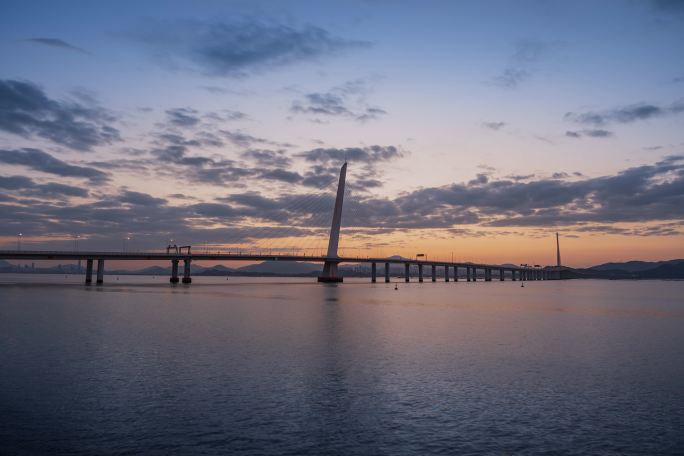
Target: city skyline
(477,131)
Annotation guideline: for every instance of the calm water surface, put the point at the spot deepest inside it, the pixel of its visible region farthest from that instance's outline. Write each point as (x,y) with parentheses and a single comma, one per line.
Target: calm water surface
(280,366)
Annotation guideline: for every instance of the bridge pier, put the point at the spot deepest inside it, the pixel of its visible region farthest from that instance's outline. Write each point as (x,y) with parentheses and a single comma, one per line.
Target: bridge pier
(174,271)
(488,274)
(501,275)
(467,273)
(474,274)
(387,273)
(434,273)
(446,273)
(100,271)
(186,271)
(513,275)
(407,266)
(374,272)
(420,273)
(89,271)
(455,273)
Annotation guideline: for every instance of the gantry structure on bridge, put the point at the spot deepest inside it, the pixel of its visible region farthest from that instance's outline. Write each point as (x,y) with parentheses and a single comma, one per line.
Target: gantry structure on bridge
(330,261)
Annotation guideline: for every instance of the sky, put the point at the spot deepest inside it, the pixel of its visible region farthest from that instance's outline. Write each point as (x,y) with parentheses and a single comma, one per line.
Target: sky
(474,130)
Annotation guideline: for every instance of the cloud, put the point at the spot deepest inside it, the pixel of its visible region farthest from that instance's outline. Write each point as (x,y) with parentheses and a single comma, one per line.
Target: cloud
(56,43)
(669,6)
(24,186)
(27,111)
(347,100)
(268,158)
(140,199)
(494,125)
(521,64)
(239,47)
(182,117)
(644,200)
(242,139)
(592,133)
(334,156)
(282,175)
(511,78)
(42,161)
(625,114)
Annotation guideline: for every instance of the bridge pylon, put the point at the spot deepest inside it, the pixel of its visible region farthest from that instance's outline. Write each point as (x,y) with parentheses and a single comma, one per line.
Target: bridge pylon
(330,267)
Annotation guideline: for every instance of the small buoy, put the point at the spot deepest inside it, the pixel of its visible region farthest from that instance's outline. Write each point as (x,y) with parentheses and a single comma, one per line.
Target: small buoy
(396,287)
(522,284)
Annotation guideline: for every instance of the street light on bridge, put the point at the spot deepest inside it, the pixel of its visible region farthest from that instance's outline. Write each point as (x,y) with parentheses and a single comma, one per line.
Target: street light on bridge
(19,236)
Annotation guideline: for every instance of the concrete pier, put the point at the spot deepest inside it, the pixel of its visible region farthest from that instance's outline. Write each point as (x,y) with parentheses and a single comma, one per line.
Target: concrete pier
(455,273)
(89,271)
(468,273)
(434,273)
(488,275)
(374,272)
(406,272)
(387,273)
(474,273)
(513,275)
(174,271)
(186,271)
(446,273)
(420,273)
(501,275)
(100,271)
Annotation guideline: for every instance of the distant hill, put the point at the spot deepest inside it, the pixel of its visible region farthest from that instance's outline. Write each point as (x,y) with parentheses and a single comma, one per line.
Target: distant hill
(216,270)
(633,266)
(280,268)
(668,270)
(152,270)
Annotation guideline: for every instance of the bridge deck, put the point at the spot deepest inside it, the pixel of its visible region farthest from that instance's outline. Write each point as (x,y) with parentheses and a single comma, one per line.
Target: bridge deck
(157,256)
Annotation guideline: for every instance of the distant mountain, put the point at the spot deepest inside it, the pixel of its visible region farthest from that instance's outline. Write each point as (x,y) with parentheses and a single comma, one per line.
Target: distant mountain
(216,270)
(668,270)
(633,266)
(152,270)
(280,268)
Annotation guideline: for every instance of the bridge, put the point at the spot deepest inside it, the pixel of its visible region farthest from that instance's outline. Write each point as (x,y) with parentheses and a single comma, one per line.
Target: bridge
(330,261)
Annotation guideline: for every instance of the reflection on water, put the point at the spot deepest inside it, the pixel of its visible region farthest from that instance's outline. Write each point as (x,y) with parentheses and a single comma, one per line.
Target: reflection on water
(288,366)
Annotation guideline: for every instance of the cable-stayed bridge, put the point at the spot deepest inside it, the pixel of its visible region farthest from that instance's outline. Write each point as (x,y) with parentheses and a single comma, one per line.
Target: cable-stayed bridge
(330,261)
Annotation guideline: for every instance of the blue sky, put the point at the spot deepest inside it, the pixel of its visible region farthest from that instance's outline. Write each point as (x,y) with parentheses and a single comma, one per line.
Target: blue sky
(457,96)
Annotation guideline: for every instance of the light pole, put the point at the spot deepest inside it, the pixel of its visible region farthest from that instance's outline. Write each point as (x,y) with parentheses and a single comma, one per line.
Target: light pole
(76,238)
(125,243)
(19,236)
